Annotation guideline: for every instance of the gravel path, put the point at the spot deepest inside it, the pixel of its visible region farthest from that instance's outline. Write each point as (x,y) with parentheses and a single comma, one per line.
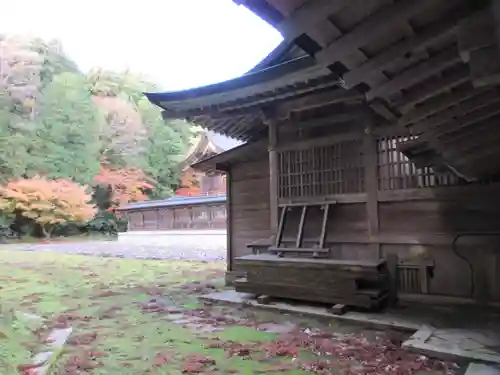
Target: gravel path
(124,250)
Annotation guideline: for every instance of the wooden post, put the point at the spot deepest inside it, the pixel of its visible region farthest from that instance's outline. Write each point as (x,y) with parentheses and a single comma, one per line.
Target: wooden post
(273,173)
(371,186)
(495,276)
(392,267)
(229,216)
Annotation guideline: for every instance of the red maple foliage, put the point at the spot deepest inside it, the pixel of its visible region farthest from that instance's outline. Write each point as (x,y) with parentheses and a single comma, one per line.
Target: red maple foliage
(47,202)
(127,184)
(188,191)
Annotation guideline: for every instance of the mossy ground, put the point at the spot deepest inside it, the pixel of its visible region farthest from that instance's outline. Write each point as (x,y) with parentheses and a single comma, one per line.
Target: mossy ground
(103,299)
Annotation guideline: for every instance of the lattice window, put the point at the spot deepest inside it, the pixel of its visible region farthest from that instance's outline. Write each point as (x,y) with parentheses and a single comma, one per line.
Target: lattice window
(396,171)
(321,171)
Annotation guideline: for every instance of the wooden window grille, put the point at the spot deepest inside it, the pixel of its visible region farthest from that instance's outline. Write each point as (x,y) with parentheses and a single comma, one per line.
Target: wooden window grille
(396,171)
(321,171)
(409,280)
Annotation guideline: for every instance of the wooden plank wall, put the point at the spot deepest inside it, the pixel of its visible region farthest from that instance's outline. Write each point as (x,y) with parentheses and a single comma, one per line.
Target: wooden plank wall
(249,204)
(170,218)
(385,205)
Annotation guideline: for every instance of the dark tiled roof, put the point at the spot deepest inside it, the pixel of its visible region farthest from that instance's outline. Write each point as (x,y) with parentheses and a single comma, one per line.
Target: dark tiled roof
(174,201)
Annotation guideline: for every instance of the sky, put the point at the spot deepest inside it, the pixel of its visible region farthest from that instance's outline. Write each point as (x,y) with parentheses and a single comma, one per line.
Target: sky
(178,44)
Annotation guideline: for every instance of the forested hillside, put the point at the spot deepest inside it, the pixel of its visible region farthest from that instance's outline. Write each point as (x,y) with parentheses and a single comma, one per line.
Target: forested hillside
(94,129)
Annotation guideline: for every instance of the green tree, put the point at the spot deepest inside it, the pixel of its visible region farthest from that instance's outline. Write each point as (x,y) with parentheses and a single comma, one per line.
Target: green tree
(14,141)
(124,84)
(67,135)
(167,146)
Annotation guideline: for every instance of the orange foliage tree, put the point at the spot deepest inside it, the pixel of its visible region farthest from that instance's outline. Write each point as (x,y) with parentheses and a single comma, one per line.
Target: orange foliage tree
(47,202)
(126,184)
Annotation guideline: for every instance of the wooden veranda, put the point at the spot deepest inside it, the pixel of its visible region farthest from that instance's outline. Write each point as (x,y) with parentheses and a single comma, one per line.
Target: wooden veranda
(371,165)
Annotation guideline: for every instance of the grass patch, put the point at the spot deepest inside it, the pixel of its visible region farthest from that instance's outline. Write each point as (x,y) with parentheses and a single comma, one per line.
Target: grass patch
(144,317)
(18,339)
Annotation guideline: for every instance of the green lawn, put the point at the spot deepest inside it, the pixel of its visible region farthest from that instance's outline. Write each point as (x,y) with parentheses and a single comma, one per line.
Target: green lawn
(144,317)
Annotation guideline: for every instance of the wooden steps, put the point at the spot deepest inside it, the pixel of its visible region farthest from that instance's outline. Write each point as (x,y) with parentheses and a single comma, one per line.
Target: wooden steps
(319,241)
(355,283)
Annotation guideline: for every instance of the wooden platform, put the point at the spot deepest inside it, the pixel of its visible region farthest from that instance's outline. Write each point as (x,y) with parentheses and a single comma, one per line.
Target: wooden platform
(355,283)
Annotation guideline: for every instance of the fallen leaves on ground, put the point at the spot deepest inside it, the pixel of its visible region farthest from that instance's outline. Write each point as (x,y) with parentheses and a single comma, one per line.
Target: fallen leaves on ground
(82,339)
(78,364)
(122,306)
(196,363)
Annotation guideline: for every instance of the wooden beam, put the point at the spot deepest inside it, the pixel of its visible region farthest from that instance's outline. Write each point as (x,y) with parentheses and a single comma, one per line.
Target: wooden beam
(373,28)
(444,101)
(471,118)
(392,263)
(317,100)
(305,17)
(321,141)
(466,137)
(379,107)
(392,56)
(229,224)
(482,159)
(486,130)
(321,95)
(475,32)
(273,172)
(337,198)
(371,183)
(483,99)
(325,31)
(432,88)
(485,66)
(337,118)
(256,101)
(244,125)
(416,74)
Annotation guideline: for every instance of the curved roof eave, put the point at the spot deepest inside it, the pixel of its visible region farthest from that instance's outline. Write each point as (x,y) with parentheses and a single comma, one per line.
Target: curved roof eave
(252,78)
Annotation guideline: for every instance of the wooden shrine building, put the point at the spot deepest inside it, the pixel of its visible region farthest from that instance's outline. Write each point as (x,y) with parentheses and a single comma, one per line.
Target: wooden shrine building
(200,202)
(195,182)
(177,213)
(372,159)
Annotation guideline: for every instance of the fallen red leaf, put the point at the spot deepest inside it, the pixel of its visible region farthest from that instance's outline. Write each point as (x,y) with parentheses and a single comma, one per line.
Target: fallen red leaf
(96,354)
(83,339)
(196,363)
(161,359)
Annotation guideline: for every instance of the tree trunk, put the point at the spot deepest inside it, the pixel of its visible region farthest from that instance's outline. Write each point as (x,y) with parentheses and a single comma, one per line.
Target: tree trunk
(47,230)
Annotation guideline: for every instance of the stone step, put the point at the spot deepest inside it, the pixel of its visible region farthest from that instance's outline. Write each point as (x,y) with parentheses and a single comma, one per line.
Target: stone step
(481,369)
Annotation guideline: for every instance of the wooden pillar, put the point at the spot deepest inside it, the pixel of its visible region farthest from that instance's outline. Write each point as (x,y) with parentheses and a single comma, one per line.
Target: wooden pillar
(273,173)
(229,217)
(371,187)
(495,277)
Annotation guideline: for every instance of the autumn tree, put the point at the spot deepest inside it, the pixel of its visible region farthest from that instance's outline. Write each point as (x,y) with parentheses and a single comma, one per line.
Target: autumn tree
(20,69)
(59,123)
(122,136)
(47,202)
(126,185)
